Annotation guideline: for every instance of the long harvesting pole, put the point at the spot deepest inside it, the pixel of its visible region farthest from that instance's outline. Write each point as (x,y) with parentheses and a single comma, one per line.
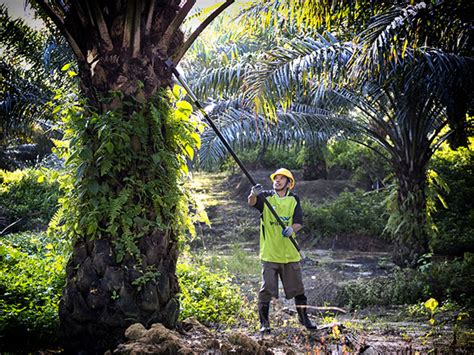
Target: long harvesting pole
(169,63)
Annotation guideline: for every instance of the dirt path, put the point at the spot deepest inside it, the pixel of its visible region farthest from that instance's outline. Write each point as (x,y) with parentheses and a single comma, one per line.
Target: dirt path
(325,271)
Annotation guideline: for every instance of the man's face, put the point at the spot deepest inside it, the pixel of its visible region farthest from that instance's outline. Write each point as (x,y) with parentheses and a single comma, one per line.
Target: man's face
(280,182)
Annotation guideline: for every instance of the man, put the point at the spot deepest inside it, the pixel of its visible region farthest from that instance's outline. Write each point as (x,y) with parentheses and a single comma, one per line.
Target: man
(278,255)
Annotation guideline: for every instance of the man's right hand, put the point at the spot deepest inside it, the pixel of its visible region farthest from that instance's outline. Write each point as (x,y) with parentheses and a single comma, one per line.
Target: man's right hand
(256,190)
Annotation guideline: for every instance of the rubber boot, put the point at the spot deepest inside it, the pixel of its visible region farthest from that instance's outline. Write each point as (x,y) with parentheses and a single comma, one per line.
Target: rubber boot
(301,303)
(263,311)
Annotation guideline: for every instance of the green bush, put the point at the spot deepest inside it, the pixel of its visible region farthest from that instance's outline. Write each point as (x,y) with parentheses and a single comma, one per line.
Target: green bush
(448,280)
(32,275)
(402,287)
(357,212)
(29,196)
(363,163)
(209,296)
(456,222)
(452,279)
(278,157)
(37,243)
(272,158)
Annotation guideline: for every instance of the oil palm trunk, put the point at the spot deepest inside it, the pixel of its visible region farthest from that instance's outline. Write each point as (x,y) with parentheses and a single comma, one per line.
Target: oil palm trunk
(122,211)
(411,237)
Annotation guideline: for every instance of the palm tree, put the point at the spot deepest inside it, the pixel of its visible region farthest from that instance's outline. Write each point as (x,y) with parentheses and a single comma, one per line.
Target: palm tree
(419,55)
(240,117)
(127,147)
(435,40)
(406,127)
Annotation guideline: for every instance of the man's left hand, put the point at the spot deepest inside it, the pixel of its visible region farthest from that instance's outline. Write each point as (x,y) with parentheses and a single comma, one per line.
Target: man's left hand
(287,232)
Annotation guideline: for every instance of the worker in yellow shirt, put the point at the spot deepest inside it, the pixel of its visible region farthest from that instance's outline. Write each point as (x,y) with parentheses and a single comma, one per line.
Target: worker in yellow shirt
(278,255)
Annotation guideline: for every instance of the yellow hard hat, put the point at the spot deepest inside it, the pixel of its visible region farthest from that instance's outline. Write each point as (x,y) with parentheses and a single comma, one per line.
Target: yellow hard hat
(287,173)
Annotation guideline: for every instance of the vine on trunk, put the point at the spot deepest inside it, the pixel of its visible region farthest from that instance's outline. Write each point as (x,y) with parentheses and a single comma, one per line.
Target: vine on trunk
(127,168)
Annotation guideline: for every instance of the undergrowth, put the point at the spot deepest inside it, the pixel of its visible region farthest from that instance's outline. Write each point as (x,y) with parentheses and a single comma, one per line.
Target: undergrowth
(28,198)
(32,276)
(358,212)
(210,296)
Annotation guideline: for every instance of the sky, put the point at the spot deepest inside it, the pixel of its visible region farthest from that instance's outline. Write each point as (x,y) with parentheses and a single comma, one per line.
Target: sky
(16,8)
(205,3)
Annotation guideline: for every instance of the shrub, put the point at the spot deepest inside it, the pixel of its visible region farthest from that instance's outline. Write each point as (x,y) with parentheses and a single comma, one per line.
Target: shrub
(452,279)
(280,157)
(29,196)
(402,287)
(456,222)
(355,212)
(32,275)
(37,243)
(444,280)
(209,296)
(289,158)
(365,165)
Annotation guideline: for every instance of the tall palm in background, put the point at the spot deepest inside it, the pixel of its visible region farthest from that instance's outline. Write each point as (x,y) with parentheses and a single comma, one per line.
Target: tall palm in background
(221,82)
(419,55)
(30,72)
(389,68)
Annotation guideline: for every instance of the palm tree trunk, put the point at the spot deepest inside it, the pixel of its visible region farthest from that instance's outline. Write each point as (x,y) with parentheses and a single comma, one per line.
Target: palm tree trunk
(262,150)
(411,237)
(100,300)
(123,271)
(122,212)
(410,155)
(457,108)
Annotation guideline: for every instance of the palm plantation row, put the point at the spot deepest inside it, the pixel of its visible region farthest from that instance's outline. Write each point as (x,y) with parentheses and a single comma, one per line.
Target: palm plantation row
(394,76)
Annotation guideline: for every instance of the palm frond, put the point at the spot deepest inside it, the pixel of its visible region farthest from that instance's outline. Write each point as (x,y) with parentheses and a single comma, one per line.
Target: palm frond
(242,128)
(295,68)
(21,102)
(222,81)
(19,41)
(288,17)
(407,35)
(30,71)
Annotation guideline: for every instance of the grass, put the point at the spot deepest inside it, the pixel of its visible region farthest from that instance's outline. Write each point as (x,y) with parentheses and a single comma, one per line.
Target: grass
(202,186)
(239,261)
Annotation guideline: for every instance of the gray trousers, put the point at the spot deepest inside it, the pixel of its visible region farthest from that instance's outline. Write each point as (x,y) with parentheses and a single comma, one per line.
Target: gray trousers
(291,278)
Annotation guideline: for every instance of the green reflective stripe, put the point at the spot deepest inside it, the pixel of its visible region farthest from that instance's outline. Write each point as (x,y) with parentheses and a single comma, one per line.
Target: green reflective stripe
(273,246)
